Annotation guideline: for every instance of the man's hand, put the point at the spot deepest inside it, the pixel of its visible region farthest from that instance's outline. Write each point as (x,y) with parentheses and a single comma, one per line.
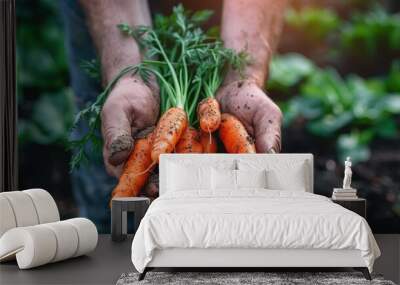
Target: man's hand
(261,117)
(131,106)
(253,26)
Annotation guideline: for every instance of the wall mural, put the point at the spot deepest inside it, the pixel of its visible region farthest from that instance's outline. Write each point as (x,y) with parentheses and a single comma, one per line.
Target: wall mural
(335,77)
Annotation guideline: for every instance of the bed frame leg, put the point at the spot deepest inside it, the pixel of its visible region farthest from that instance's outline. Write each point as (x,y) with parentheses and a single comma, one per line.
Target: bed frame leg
(364,271)
(143,274)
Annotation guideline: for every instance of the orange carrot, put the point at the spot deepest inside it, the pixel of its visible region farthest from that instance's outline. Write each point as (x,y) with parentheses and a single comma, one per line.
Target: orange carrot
(189,142)
(234,135)
(209,114)
(136,169)
(169,130)
(208,142)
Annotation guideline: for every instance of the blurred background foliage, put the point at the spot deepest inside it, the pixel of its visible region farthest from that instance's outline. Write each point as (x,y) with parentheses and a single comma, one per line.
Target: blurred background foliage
(45,102)
(336,77)
(353,110)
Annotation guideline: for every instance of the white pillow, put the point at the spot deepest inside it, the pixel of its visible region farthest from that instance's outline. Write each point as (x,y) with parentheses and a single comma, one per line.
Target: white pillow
(293,180)
(223,179)
(251,178)
(188,177)
(290,175)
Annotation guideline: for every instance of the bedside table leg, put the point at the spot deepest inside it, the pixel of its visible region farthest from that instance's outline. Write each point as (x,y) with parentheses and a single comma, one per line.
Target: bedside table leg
(124,223)
(117,222)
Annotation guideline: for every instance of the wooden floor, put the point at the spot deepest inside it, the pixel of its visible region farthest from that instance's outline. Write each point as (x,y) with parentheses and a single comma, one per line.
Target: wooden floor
(110,260)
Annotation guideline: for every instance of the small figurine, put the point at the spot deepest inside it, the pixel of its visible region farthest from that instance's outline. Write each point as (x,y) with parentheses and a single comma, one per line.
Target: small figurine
(347,174)
(347,192)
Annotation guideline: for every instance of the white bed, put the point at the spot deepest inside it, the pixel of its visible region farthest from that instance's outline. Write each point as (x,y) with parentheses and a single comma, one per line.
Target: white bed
(280,225)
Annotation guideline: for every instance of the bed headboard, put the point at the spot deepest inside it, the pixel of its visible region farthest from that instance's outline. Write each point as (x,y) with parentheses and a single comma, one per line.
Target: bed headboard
(267,160)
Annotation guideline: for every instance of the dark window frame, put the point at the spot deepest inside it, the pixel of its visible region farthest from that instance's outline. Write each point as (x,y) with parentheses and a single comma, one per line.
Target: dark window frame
(8,98)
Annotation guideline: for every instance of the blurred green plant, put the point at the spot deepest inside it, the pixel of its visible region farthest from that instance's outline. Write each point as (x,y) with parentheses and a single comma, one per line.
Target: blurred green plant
(288,71)
(371,33)
(316,23)
(364,34)
(45,102)
(352,111)
(392,83)
(50,120)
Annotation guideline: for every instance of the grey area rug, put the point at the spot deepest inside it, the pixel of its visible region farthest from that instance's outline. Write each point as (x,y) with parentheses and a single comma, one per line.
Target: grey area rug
(232,278)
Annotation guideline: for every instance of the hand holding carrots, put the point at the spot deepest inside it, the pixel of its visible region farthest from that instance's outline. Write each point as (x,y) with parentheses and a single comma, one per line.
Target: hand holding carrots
(261,117)
(130,107)
(189,67)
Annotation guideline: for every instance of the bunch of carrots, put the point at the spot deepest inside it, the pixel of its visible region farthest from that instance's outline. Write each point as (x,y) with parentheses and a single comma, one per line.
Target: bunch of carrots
(189,65)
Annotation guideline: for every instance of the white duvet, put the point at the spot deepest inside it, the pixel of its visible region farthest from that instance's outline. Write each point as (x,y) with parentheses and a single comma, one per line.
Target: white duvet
(251,218)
